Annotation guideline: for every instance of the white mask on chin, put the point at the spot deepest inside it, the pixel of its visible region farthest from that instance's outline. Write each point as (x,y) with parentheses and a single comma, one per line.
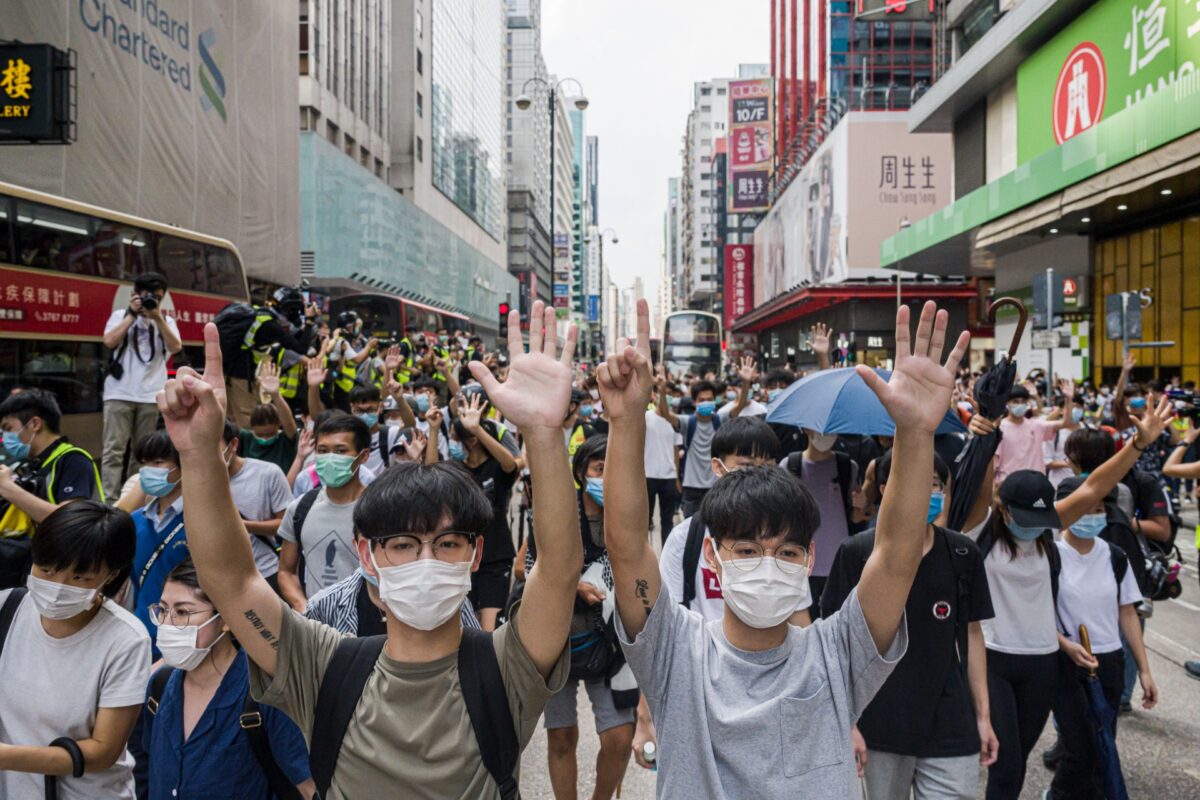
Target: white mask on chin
(822,441)
(424,593)
(763,595)
(55,600)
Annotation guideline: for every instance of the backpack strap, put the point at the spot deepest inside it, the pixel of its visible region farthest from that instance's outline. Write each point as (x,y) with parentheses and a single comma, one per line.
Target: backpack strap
(8,611)
(691,558)
(302,508)
(341,689)
(795,463)
(170,537)
(844,478)
(384,453)
(688,434)
(1120,566)
(251,721)
(487,705)
(1055,559)
(158,685)
(962,588)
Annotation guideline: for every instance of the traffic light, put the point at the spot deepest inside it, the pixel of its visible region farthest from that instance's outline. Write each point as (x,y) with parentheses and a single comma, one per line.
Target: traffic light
(504,309)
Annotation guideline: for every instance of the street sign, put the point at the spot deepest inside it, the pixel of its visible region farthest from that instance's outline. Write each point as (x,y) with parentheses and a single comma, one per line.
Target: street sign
(1070,294)
(1044,340)
(1123,316)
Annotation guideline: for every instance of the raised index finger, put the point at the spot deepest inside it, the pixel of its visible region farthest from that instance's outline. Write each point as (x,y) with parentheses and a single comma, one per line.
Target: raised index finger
(214,370)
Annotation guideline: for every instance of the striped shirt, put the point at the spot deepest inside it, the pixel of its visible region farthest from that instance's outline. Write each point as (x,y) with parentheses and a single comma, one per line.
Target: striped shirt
(337,606)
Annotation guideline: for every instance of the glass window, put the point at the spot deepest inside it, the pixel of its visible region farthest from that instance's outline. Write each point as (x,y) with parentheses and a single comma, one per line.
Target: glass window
(52,238)
(72,371)
(6,241)
(182,262)
(122,252)
(420,63)
(224,272)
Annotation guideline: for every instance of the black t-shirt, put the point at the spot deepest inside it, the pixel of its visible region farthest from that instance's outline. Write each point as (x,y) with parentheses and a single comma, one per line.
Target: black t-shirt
(74,475)
(370,618)
(1149,500)
(924,709)
(790,437)
(498,485)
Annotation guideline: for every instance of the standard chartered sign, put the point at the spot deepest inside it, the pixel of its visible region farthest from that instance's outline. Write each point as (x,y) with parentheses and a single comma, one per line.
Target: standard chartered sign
(147,31)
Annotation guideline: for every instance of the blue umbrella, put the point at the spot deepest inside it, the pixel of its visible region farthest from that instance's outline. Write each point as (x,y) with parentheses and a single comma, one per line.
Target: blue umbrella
(838,401)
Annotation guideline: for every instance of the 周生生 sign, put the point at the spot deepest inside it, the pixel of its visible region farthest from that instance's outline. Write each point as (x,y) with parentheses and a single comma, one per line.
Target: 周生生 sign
(34,94)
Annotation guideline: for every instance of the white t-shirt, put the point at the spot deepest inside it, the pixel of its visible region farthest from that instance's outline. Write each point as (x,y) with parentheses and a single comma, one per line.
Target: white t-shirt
(708,602)
(1055,451)
(260,492)
(1087,595)
(1023,601)
(375,459)
(144,360)
(661,439)
(753,409)
(53,687)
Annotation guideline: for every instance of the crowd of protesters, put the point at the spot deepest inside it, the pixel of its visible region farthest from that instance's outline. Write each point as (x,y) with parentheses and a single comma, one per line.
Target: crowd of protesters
(293,573)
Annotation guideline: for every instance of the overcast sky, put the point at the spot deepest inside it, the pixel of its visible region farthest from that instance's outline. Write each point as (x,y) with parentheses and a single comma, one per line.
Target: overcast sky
(637,60)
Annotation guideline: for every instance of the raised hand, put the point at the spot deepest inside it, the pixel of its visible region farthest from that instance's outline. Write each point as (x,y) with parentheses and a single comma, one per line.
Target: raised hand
(434,417)
(393,359)
(268,377)
(193,405)
(471,414)
(746,371)
(537,389)
(1150,426)
(625,379)
(818,338)
(414,450)
(1066,387)
(919,391)
(1129,362)
(316,372)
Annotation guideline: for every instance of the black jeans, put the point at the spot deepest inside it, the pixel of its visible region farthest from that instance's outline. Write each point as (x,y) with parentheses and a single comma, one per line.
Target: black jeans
(1021,689)
(1078,775)
(692,497)
(663,490)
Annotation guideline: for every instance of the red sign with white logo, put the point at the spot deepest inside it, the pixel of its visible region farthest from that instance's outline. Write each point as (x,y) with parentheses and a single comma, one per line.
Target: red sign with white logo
(712,584)
(1070,287)
(739,281)
(48,303)
(1080,92)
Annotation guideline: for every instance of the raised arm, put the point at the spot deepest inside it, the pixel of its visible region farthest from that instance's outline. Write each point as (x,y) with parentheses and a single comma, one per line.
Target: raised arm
(1120,416)
(193,410)
(916,398)
(268,381)
(1109,474)
(315,376)
(472,420)
(818,340)
(748,376)
(663,406)
(534,396)
(625,384)
(1175,468)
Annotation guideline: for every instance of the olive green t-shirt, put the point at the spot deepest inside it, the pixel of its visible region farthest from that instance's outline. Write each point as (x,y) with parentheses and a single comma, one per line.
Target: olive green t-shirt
(410,735)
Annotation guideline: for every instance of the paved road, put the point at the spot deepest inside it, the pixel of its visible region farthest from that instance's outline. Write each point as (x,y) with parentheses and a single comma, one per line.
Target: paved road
(1158,748)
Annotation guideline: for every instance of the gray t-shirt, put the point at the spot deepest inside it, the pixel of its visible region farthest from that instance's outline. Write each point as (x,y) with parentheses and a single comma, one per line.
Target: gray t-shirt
(326,541)
(697,469)
(772,725)
(260,492)
(821,479)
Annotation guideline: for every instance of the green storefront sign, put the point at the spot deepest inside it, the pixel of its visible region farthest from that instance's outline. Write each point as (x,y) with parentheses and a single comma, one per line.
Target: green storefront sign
(1116,55)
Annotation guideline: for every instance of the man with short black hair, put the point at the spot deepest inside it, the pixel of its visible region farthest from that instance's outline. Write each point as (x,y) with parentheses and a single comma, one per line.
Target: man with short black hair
(141,339)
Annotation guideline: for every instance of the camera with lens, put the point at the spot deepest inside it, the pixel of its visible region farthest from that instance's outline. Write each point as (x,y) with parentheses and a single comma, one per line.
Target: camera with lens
(149,300)
(1185,403)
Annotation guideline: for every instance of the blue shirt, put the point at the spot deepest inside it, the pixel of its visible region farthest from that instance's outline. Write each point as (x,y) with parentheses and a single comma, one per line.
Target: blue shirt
(217,760)
(152,530)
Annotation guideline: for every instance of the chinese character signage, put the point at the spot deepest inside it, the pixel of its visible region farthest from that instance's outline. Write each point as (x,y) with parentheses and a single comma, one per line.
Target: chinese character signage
(37,302)
(739,281)
(751,145)
(894,10)
(562,274)
(34,93)
(593,308)
(1112,57)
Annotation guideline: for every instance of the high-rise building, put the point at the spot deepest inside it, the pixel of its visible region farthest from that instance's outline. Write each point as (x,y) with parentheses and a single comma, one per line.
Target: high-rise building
(581,216)
(593,178)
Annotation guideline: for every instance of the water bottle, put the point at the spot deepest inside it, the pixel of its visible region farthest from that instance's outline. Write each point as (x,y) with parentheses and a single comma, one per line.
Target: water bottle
(650,754)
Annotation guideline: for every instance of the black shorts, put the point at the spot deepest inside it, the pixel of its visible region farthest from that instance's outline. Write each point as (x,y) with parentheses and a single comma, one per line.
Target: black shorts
(490,584)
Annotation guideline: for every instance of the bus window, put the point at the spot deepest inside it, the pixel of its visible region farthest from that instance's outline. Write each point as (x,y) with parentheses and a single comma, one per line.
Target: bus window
(224,273)
(6,239)
(52,238)
(121,251)
(72,371)
(182,262)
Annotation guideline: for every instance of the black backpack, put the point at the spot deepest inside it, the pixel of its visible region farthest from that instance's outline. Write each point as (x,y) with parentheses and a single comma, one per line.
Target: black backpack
(483,692)
(301,513)
(845,475)
(251,722)
(1120,562)
(691,558)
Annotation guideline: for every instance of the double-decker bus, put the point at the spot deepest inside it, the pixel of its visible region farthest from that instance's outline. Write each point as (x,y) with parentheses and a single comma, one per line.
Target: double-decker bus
(692,343)
(66,266)
(386,316)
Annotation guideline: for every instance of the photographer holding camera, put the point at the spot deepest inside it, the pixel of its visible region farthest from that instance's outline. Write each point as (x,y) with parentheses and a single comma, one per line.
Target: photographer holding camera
(141,338)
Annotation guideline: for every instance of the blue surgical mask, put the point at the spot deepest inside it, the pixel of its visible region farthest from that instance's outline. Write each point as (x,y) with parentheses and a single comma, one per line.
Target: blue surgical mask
(422,403)
(706,409)
(936,500)
(154,481)
(1019,410)
(1089,525)
(457,451)
(369,578)
(371,419)
(1025,534)
(731,395)
(595,490)
(585,411)
(1076,414)
(13,445)
(773,394)
(1137,403)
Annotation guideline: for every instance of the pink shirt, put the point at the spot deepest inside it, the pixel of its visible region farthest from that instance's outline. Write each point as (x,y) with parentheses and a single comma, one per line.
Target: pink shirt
(1021,446)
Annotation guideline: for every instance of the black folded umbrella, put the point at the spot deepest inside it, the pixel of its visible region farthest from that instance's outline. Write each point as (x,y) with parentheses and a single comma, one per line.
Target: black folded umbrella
(992,390)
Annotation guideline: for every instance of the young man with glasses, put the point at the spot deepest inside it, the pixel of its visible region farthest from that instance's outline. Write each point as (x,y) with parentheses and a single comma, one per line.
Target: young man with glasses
(411,733)
(752,706)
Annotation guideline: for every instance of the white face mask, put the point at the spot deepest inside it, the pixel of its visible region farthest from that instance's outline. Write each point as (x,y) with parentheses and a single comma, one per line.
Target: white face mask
(58,600)
(178,645)
(763,595)
(822,441)
(425,593)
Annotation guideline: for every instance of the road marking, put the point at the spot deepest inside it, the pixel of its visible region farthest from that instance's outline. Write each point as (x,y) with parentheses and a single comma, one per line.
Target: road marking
(1182,647)
(1186,604)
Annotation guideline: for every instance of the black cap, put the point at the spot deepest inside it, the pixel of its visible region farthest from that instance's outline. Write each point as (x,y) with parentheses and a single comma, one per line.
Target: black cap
(1069,485)
(1029,497)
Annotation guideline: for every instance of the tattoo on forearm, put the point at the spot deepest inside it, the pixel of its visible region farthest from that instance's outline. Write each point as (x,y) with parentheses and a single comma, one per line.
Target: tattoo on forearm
(643,593)
(263,631)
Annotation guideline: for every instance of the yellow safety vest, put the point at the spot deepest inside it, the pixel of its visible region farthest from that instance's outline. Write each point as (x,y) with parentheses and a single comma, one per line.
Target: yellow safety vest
(52,462)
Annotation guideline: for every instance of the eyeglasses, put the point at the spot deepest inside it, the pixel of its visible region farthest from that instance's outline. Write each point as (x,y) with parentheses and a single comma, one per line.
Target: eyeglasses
(747,555)
(162,615)
(405,548)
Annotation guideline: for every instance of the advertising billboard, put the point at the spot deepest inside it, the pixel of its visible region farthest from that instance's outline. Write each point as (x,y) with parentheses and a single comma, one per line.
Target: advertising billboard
(1116,54)
(186,115)
(751,145)
(739,281)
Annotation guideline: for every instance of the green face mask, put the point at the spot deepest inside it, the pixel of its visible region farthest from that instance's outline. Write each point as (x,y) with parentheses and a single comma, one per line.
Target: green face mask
(334,469)
(268,441)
